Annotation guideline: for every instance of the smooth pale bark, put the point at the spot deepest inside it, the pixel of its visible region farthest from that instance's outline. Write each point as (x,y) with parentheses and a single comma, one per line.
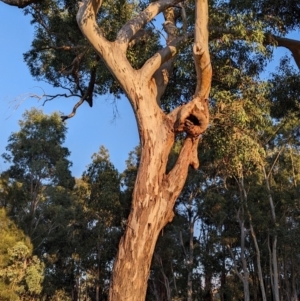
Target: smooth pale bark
(155,191)
(258,259)
(244,276)
(191,261)
(259,270)
(273,247)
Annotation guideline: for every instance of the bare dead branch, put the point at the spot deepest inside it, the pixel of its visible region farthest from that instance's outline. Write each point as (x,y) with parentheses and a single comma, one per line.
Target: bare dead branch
(88,95)
(51,97)
(20,3)
(78,104)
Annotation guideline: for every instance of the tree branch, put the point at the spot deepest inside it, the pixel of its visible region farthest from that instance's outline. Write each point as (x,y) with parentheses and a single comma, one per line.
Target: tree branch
(115,60)
(162,75)
(162,56)
(188,156)
(86,19)
(88,96)
(270,39)
(292,45)
(74,67)
(78,104)
(201,51)
(20,3)
(127,32)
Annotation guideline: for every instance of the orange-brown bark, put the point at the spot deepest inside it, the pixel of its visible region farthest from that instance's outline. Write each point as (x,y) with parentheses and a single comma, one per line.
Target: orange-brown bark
(155,190)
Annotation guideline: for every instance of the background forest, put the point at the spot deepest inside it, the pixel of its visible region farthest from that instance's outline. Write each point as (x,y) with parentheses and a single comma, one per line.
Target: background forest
(235,234)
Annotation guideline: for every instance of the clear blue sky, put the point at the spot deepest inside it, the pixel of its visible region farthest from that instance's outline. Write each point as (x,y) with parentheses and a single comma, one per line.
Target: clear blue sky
(87,130)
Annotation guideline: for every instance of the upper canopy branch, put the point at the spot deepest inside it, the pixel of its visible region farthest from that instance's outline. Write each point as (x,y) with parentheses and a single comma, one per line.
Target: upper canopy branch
(20,3)
(201,50)
(86,19)
(162,56)
(292,45)
(269,39)
(126,33)
(193,117)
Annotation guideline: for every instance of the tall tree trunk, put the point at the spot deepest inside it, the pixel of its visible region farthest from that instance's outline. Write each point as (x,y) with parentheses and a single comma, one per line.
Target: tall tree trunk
(98,269)
(241,220)
(150,213)
(253,235)
(244,264)
(190,261)
(244,276)
(273,247)
(155,190)
(223,277)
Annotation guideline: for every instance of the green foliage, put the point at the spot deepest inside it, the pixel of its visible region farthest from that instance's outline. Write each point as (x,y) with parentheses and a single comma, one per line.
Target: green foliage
(273,13)
(36,151)
(75,230)
(285,90)
(21,273)
(239,121)
(104,183)
(66,60)
(38,160)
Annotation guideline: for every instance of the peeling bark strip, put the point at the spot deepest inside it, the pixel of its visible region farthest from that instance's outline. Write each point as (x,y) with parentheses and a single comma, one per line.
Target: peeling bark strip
(155,191)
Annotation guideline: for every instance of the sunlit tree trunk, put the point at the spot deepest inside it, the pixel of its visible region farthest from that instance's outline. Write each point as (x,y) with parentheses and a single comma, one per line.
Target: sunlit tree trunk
(155,190)
(253,235)
(244,275)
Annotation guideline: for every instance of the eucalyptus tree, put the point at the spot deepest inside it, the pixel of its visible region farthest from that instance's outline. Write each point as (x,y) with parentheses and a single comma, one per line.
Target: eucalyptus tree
(38,162)
(37,188)
(21,272)
(115,31)
(98,223)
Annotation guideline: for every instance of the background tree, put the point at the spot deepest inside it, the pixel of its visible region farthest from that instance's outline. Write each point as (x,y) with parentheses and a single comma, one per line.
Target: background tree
(38,160)
(21,273)
(98,222)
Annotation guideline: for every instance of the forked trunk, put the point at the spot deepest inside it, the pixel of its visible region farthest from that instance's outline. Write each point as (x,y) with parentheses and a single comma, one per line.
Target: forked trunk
(155,191)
